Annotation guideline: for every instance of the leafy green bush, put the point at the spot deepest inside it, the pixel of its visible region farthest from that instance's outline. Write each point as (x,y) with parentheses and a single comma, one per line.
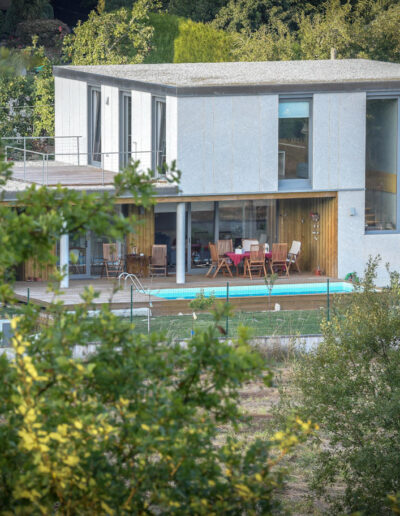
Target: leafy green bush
(351,385)
(50,33)
(201,43)
(166,30)
(116,37)
(132,427)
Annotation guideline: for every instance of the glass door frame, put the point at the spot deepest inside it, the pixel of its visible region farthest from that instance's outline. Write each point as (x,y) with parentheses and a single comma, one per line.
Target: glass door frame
(87,263)
(93,130)
(125,124)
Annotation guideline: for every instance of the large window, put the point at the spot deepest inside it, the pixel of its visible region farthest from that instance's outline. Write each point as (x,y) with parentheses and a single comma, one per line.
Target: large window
(126,128)
(248,219)
(381,165)
(159,132)
(294,139)
(95,126)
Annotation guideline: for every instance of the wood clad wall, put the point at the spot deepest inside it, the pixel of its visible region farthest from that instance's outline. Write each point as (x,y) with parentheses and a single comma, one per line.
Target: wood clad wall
(295,223)
(42,272)
(143,238)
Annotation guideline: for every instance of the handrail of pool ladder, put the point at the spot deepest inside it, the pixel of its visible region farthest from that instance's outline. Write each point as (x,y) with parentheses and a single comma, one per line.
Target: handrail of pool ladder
(135,280)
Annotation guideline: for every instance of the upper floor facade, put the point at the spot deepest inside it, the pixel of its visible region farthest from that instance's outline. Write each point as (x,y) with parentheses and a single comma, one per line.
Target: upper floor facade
(243,128)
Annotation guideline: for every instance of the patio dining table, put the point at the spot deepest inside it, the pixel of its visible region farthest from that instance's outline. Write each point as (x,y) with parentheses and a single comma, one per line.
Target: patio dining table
(237,258)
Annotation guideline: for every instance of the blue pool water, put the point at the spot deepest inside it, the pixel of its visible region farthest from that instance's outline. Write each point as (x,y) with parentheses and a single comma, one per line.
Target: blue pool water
(339,287)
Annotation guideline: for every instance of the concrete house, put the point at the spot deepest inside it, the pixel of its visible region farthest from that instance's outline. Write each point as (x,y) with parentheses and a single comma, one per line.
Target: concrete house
(277,151)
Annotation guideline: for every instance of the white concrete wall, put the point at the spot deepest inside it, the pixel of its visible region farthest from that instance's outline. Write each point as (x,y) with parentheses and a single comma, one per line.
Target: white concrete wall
(110,127)
(338,145)
(228,144)
(141,127)
(355,246)
(71,119)
(172,129)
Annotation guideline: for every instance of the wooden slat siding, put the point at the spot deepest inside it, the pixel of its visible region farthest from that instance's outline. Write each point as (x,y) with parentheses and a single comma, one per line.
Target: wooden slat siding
(33,269)
(235,197)
(143,238)
(295,223)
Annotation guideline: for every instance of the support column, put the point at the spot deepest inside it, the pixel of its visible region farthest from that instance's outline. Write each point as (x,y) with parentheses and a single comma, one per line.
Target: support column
(180,243)
(189,238)
(216,222)
(64,260)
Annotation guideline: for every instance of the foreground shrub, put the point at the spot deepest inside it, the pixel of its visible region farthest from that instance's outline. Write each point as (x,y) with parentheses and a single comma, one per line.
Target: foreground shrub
(351,385)
(131,428)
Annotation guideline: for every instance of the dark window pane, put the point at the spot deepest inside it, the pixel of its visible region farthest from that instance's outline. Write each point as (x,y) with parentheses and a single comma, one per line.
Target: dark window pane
(381,165)
(293,140)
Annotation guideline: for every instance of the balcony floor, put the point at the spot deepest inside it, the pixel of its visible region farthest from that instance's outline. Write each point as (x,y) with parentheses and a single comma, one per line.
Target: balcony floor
(62,173)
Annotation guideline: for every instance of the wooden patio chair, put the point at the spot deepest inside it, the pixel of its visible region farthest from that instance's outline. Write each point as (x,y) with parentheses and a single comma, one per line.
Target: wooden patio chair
(224,246)
(294,255)
(158,261)
(112,265)
(219,262)
(256,261)
(278,259)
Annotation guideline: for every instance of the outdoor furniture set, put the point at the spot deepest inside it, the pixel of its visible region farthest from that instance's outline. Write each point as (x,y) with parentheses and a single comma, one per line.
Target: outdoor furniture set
(136,263)
(255,256)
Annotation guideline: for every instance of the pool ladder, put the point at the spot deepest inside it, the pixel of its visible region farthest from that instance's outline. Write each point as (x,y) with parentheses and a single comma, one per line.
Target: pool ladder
(135,281)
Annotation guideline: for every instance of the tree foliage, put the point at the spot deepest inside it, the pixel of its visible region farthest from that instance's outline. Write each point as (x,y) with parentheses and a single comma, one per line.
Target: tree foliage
(130,428)
(199,11)
(202,43)
(351,385)
(116,37)
(26,101)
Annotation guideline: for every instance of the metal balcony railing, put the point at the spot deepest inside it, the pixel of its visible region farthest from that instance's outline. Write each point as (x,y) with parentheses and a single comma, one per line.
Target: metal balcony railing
(40,159)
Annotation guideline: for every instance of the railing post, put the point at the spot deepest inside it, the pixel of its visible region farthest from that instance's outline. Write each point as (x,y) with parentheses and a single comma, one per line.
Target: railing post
(227,316)
(24,158)
(327,301)
(77,146)
(131,303)
(43,168)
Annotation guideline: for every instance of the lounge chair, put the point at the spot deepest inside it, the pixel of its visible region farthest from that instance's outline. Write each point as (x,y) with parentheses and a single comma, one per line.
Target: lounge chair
(158,261)
(293,255)
(219,262)
(278,259)
(256,261)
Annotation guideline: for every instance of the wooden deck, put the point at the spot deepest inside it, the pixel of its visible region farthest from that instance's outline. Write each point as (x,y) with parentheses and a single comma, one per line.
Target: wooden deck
(62,173)
(120,299)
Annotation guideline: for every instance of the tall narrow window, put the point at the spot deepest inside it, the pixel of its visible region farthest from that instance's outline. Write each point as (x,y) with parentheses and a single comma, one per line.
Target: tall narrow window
(95,127)
(294,128)
(159,132)
(126,129)
(381,165)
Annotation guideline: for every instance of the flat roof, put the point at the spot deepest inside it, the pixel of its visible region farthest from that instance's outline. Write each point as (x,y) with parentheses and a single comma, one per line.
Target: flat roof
(194,78)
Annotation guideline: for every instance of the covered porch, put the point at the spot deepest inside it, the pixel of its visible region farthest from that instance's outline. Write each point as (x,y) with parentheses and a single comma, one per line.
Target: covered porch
(187,227)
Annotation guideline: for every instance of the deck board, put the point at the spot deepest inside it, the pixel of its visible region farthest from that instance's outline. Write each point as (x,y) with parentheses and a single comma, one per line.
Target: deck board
(63,174)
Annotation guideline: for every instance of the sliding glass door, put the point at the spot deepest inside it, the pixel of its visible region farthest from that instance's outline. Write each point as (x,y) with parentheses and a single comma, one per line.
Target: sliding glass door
(95,127)
(126,129)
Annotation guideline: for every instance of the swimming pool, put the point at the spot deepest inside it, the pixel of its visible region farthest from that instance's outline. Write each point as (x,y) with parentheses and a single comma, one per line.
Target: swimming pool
(338,287)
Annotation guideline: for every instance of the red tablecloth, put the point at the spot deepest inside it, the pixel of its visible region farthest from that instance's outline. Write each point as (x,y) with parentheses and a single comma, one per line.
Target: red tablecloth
(237,258)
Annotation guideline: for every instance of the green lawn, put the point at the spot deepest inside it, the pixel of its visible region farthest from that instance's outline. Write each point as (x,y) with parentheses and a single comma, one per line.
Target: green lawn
(296,322)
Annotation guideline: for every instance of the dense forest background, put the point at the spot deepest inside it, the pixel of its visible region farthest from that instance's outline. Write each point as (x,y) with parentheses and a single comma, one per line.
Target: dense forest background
(162,31)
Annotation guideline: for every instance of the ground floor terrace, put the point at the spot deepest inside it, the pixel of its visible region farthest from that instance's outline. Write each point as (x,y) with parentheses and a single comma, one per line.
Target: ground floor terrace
(164,297)
(187,225)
